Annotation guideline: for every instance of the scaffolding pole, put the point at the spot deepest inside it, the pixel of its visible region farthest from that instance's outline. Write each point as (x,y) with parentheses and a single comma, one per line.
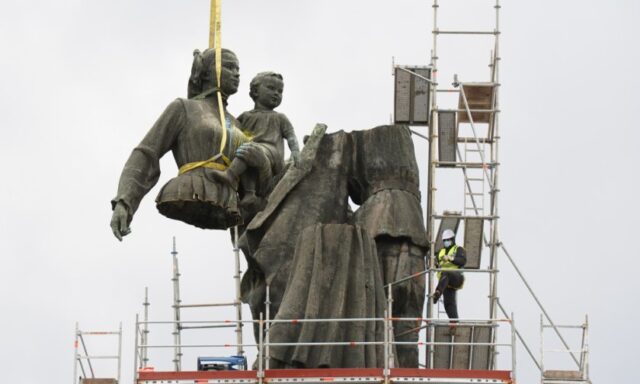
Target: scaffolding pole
(430,218)
(177,351)
(238,304)
(493,127)
(144,337)
(267,304)
(137,348)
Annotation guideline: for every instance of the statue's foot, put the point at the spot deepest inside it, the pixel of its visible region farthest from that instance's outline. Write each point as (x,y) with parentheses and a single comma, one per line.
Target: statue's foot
(250,202)
(224,176)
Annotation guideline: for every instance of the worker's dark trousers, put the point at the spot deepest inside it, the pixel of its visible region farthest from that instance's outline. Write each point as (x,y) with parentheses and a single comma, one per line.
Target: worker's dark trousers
(449,283)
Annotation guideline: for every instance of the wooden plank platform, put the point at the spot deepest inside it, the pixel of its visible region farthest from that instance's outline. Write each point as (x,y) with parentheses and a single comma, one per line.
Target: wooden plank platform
(479,96)
(563,375)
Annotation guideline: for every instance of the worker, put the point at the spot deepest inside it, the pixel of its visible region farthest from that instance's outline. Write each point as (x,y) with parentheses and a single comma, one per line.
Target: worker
(449,258)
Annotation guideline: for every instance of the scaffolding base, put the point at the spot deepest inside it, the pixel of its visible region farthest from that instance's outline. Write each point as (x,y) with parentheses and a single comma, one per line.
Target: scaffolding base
(322,376)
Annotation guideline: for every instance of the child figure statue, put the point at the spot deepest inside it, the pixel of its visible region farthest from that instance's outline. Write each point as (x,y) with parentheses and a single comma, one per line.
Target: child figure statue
(268,128)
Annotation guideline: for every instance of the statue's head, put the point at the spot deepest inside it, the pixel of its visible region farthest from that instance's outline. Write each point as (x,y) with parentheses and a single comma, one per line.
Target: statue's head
(203,73)
(266,89)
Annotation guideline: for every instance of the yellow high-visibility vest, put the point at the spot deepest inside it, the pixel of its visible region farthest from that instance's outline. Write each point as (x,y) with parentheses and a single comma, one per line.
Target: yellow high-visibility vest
(445,264)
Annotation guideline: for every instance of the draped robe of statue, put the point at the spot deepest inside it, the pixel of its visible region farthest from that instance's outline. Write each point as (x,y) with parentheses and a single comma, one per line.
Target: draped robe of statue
(311,202)
(385,183)
(334,275)
(315,192)
(377,168)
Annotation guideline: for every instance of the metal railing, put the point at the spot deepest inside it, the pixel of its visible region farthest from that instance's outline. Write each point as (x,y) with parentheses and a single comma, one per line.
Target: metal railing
(387,343)
(582,374)
(79,357)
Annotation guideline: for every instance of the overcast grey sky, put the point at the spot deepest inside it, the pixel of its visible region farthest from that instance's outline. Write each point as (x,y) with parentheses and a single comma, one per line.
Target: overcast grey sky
(82,81)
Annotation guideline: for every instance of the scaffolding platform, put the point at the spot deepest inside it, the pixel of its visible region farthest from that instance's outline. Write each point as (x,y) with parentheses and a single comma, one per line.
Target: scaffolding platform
(322,376)
(463,347)
(558,376)
(480,99)
(580,356)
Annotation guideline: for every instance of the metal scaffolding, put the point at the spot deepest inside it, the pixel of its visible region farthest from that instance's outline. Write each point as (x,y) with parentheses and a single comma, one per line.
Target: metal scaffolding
(386,374)
(477,105)
(474,152)
(579,376)
(179,324)
(87,374)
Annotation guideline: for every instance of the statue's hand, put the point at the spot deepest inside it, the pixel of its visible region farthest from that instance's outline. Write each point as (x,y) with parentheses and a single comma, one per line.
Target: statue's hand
(295,156)
(120,221)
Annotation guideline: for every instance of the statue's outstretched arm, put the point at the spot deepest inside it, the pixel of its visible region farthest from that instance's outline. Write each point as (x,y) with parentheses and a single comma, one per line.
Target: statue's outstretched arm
(142,170)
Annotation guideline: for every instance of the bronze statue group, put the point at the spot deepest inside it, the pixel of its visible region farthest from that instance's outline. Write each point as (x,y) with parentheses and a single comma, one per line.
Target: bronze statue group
(300,236)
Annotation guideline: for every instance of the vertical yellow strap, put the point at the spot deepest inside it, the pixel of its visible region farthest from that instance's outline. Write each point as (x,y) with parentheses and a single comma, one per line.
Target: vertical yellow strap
(215,43)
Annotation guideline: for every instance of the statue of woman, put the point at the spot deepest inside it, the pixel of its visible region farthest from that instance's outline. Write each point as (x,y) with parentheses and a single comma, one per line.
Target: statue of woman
(190,128)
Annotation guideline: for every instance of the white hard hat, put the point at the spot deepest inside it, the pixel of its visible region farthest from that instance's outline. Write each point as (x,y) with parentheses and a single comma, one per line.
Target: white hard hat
(448,234)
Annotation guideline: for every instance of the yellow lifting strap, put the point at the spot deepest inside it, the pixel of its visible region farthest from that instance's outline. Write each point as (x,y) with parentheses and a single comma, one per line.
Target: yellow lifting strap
(210,163)
(215,43)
